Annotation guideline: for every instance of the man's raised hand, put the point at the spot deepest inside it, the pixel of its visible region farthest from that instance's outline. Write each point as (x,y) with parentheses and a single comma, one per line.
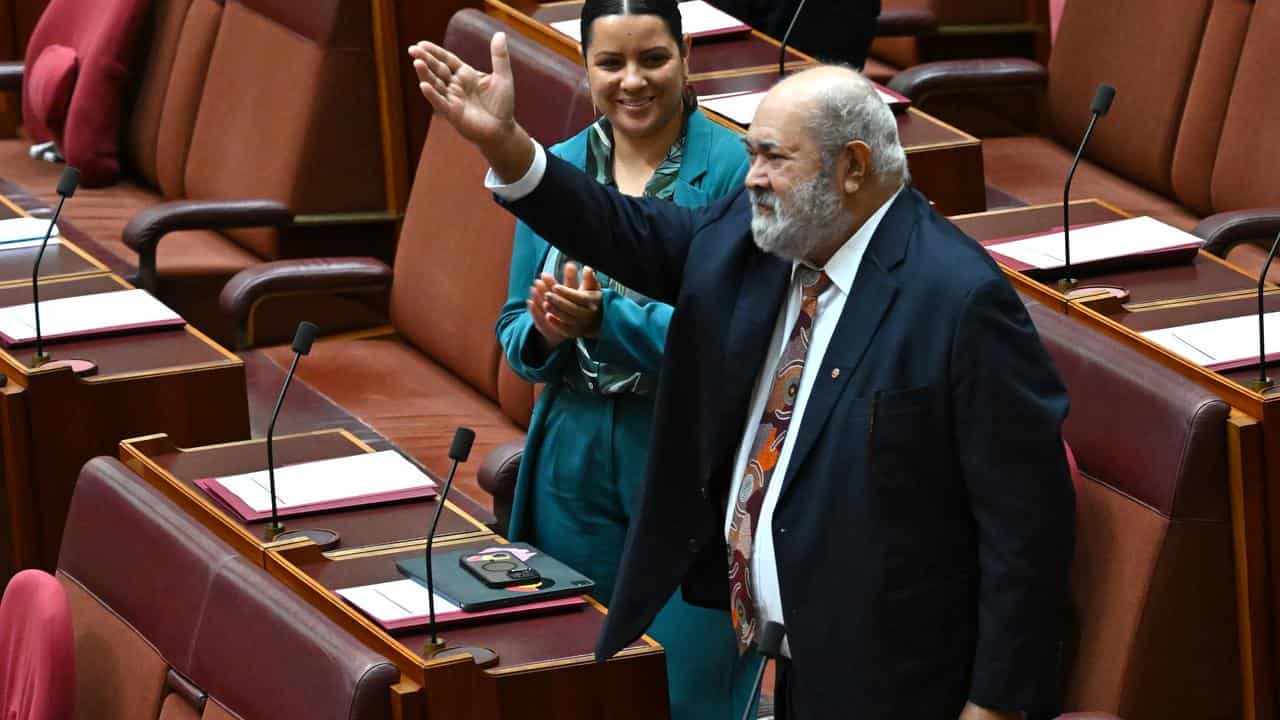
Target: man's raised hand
(480,106)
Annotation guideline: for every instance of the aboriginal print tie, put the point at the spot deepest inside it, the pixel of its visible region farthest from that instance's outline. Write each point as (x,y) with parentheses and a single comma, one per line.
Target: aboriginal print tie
(770,435)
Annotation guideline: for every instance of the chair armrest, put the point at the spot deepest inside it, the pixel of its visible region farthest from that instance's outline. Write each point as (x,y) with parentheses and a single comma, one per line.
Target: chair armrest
(970,77)
(145,229)
(320,276)
(11,74)
(497,477)
(905,22)
(1224,231)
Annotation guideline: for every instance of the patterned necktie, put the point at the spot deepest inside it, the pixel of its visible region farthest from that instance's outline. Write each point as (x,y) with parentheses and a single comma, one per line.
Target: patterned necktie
(770,436)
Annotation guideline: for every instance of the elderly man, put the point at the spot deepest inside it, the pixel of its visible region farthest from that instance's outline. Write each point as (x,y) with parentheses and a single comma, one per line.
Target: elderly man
(858,431)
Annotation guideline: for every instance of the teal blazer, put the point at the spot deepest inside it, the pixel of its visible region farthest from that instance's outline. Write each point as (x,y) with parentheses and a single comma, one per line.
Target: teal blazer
(714,165)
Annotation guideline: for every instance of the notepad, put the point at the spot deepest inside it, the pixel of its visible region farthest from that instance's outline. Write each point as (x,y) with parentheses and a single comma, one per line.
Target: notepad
(1227,344)
(19,229)
(1129,238)
(402,604)
(698,19)
(83,316)
(317,486)
(741,107)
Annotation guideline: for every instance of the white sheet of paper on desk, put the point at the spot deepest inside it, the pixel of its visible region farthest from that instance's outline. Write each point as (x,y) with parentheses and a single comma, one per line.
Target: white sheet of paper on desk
(1132,236)
(19,229)
(1219,343)
(395,600)
(697,17)
(86,314)
(328,481)
(741,107)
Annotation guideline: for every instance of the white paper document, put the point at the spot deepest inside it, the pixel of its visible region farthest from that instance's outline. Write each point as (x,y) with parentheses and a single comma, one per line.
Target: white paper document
(25,244)
(1220,344)
(320,482)
(697,18)
(396,600)
(86,315)
(740,107)
(1134,236)
(18,229)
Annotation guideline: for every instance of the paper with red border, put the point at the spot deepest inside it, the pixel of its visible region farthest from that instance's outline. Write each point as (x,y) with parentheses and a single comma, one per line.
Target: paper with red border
(96,314)
(402,604)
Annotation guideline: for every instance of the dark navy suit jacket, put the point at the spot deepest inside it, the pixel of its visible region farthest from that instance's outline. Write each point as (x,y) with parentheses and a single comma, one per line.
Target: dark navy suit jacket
(924,530)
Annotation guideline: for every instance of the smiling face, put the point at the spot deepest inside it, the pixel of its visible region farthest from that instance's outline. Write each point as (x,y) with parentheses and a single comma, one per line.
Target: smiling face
(637,73)
(796,203)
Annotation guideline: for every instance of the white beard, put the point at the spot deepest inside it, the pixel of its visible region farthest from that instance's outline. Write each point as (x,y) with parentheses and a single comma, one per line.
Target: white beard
(793,230)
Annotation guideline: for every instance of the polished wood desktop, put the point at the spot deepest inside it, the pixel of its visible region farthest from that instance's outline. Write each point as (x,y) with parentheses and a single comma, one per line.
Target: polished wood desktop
(545,667)
(173,470)
(1207,288)
(945,163)
(53,421)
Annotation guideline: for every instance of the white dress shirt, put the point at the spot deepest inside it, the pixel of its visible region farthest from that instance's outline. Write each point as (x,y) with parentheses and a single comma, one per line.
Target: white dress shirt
(842,268)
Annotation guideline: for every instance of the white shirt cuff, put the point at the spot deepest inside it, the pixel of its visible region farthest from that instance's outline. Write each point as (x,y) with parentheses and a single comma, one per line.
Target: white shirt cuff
(524,185)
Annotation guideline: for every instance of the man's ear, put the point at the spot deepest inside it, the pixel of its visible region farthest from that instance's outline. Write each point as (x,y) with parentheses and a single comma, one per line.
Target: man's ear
(857,168)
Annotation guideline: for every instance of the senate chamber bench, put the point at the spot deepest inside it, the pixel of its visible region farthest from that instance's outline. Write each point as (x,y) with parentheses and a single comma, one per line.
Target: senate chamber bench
(340,381)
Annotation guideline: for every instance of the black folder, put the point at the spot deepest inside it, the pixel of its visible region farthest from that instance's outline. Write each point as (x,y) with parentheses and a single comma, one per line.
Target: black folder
(465,590)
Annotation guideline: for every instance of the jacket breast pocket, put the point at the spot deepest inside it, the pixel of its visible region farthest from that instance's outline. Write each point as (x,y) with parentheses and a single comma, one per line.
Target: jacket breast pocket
(908,435)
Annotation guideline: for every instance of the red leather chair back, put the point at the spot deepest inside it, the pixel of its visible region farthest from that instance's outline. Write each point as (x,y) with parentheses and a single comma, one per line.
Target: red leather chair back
(77,64)
(37,652)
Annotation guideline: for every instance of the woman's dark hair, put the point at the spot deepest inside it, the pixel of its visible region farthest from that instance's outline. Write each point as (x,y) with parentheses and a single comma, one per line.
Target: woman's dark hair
(668,10)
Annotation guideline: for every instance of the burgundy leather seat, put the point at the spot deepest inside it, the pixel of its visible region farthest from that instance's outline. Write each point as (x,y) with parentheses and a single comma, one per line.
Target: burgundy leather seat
(172,623)
(1153,583)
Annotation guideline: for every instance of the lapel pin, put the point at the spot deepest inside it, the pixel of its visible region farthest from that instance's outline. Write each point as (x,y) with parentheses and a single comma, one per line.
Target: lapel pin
(835,373)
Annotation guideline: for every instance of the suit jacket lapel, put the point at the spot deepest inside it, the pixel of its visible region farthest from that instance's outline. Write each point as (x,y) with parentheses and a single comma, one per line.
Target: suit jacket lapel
(870,298)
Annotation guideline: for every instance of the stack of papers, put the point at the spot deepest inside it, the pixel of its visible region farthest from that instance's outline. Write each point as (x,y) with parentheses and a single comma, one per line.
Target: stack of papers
(740,107)
(699,19)
(106,313)
(1140,236)
(1226,344)
(22,229)
(345,482)
(400,604)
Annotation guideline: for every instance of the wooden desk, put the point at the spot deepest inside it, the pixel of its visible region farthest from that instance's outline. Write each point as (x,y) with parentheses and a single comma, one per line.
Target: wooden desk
(1206,289)
(945,163)
(61,260)
(52,422)
(545,669)
(173,470)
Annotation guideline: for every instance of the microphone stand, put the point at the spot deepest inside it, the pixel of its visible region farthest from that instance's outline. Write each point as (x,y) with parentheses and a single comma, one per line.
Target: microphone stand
(1101,105)
(66,188)
(436,647)
(786,37)
(275,532)
(1263,383)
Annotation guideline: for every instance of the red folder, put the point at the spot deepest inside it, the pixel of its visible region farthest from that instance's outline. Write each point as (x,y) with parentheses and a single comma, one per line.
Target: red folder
(462,617)
(233,503)
(1154,258)
(126,329)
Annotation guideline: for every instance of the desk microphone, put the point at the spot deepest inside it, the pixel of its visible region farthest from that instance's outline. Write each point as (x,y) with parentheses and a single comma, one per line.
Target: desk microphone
(436,646)
(786,37)
(302,339)
(66,188)
(768,644)
(1263,383)
(1102,98)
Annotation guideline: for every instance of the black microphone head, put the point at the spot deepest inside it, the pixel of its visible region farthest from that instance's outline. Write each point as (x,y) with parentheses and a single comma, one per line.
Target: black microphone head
(1102,98)
(461,447)
(303,338)
(68,182)
(769,642)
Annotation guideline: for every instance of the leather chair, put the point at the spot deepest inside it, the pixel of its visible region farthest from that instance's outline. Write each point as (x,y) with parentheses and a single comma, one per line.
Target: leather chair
(440,365)
(171,623)
(254,135)
(1185,139)
(1153,584)
(37,653)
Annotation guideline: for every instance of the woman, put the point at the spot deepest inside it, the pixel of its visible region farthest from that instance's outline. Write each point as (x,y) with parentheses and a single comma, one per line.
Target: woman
(598,347)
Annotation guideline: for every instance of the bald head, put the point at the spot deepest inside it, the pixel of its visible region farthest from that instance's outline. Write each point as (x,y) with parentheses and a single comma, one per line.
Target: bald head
(837,105)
